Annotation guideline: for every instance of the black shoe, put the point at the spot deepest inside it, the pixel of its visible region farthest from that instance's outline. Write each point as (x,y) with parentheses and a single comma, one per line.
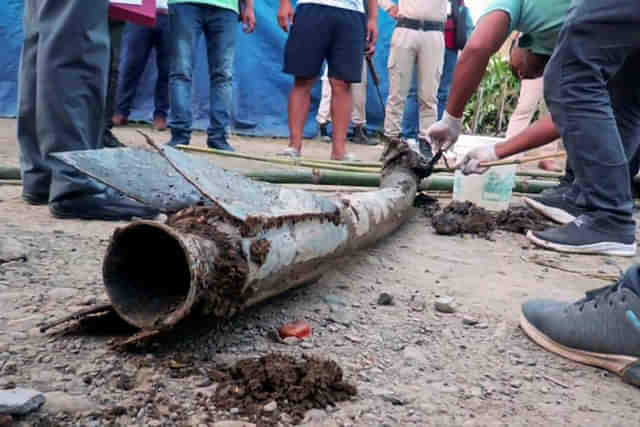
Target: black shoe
(360,136)
(324,132)
(110,140)
(220,145)
(600,330)
(582,236)
(425,149)
(107,206)
(556,206)
(35,199)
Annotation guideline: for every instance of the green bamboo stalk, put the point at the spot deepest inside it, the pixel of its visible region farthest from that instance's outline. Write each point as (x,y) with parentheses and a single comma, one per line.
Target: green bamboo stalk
(360,167)
(10,182)
(9,172)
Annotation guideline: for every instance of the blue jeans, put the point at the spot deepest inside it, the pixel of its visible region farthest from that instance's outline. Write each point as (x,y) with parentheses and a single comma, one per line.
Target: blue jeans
(187,22)
(450,59)
(411,121)
(592,91)
(140,41)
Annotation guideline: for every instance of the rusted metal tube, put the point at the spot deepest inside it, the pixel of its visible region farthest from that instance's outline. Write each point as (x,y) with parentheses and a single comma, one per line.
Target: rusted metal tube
(156,274)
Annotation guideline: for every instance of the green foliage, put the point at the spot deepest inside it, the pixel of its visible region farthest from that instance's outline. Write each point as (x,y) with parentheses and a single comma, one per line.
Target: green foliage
(493,103)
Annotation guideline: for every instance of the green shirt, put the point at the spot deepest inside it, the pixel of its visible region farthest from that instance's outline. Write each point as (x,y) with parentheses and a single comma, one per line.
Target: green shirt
(226,4)
(538,21)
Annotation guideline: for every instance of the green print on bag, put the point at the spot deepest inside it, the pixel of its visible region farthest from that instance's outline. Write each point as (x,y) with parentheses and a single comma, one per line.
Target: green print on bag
(497,188)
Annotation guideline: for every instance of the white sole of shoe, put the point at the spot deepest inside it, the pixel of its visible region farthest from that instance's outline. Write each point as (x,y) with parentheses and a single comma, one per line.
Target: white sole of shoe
(600,248)
(618,364)
(555,214)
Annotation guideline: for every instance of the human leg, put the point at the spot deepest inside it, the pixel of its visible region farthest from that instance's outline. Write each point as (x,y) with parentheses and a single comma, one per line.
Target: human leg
(116,29)
(72,72)
(341,106)
(429,66)
(410,118)
(402,58)
(220,33)
(36,173)
(186,25)
(359,113)
(163,54)
(593,46)
(449,64)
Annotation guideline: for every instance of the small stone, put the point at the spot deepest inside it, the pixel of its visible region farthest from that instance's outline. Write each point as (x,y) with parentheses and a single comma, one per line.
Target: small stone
(469,321)
(445,305)
(154,423)
(286,418)
(385,299)
(516,384)
(20,401)
(340,318)
(62,293)
(332,300)
(234,411)
(306,344)
(271,406)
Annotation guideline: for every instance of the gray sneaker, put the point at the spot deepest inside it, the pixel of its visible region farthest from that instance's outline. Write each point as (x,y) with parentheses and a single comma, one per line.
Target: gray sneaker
(585,235)
(556,206)
(602,330)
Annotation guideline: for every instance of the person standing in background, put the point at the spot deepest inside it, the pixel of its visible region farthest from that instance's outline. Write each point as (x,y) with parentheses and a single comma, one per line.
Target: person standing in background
(358,114)
(216,20)
(140,41)
(457,30)
(417,43)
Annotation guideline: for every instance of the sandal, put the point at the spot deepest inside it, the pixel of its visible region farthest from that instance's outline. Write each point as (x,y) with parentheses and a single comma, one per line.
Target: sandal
(289,152)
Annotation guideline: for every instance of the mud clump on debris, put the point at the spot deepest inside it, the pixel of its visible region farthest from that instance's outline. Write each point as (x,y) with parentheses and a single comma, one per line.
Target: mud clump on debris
(467,218)
(251,386)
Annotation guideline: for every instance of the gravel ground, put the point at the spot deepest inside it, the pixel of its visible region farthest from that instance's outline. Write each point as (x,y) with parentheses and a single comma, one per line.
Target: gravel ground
(411,364)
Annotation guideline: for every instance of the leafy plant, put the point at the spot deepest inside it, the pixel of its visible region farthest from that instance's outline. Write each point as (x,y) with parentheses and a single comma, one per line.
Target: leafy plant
(493,103)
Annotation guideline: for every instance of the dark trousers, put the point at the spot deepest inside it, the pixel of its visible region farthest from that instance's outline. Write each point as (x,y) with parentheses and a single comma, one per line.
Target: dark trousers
(593,93)
(116,29)
(139,42)
(62,89)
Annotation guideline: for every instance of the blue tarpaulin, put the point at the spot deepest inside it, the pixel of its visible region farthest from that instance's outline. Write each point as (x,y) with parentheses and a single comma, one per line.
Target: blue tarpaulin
(260,88)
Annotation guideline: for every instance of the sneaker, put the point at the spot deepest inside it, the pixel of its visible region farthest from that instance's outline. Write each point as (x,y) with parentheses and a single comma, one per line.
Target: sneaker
(220,145)
(602,330)
(556,206)
(289,152)
(360,136)
(324,132)
(583,237)
(425,149)
(35,199)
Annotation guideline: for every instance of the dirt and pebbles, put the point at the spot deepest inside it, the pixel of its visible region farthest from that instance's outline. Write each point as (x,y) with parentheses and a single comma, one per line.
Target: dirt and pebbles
(467,218)
(412,365)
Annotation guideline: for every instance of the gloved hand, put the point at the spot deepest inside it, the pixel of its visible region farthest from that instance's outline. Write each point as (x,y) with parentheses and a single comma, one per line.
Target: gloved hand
(444,133)
(470,163)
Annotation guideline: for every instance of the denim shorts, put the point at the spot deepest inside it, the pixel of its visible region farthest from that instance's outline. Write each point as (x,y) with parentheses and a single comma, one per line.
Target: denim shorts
(328,33)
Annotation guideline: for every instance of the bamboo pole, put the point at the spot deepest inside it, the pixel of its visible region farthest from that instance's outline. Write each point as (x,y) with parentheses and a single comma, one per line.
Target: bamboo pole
(523,160)
(15,182)
(155,274)
(9,172)
(321,164)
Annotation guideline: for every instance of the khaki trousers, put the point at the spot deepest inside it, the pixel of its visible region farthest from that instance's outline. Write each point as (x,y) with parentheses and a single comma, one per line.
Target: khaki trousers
(424,50)
(531,96)
(358,92)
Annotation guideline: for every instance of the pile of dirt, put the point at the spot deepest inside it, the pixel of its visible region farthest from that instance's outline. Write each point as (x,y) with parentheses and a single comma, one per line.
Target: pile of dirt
(252,385)
(467,218)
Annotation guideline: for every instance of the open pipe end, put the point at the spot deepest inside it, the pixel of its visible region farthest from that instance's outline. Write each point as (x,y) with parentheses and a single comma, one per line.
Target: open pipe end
(146,274)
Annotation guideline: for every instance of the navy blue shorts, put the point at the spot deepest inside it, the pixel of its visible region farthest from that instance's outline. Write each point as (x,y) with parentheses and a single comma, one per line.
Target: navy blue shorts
(328,33)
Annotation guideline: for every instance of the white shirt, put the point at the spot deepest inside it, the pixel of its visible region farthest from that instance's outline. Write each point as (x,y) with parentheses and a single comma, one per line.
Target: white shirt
(162,4)
(356,5)
(423,10)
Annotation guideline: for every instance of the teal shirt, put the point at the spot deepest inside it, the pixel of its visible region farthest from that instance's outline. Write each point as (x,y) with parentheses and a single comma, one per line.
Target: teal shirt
(225,4)
(538,21)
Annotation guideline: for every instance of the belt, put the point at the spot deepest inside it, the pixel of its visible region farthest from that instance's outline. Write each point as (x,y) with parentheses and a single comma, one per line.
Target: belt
(416,24)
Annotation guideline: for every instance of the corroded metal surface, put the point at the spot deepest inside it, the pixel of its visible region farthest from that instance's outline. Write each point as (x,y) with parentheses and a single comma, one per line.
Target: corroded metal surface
(145,176)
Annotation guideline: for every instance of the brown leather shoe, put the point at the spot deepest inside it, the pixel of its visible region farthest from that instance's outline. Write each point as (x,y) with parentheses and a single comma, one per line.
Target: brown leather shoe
(119,120)
(160,123)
